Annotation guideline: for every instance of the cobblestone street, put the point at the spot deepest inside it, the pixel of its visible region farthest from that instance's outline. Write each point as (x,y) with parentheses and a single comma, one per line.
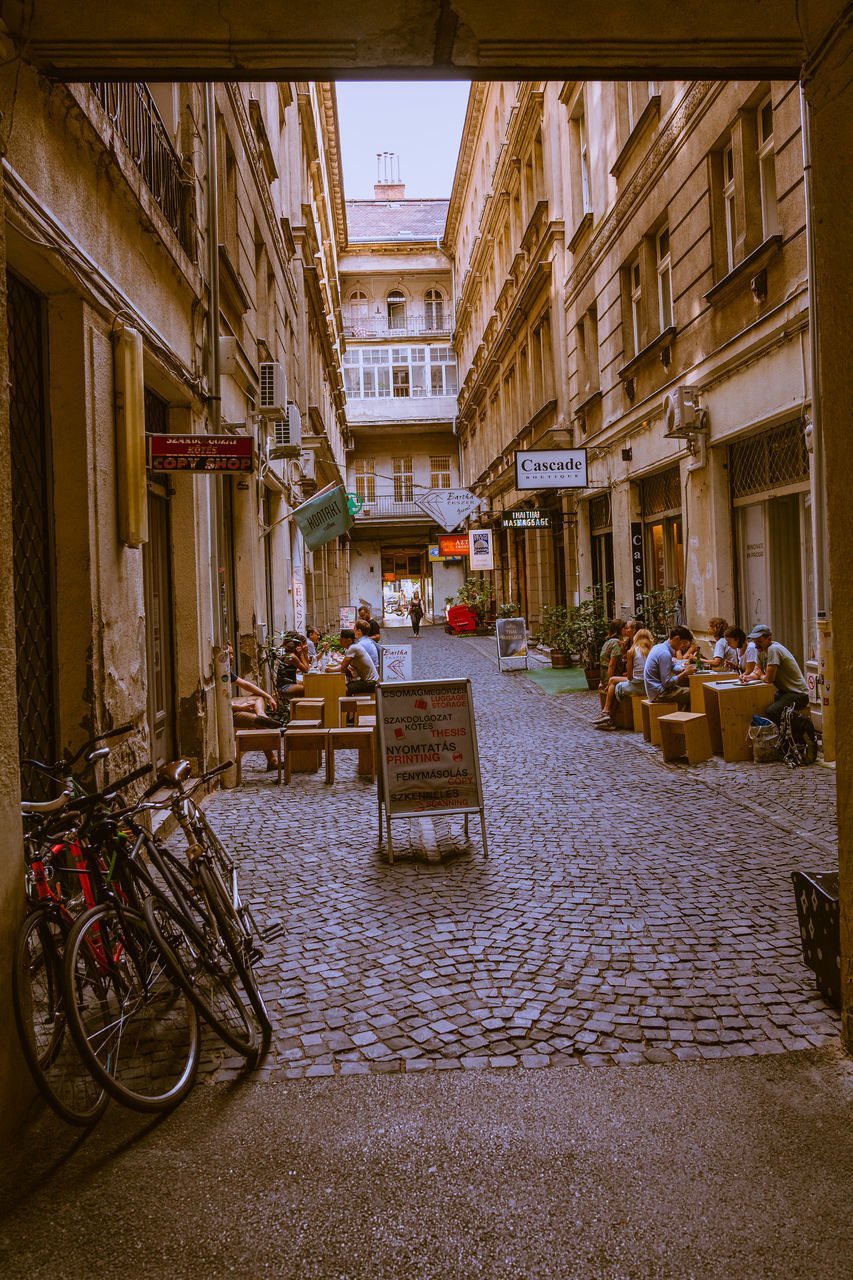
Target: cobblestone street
(630,912)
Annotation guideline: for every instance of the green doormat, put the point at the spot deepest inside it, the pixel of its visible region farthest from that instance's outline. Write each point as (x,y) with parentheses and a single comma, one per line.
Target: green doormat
(561,680)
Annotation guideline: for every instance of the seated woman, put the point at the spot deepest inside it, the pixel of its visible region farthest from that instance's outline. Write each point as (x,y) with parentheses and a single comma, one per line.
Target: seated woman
(289,674)
(611,652)
(633,685)
(746,654)
(724,656)
(250,712)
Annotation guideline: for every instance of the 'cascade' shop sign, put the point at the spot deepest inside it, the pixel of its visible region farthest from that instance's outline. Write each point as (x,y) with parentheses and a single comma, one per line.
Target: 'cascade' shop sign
(550,469)
(199,453)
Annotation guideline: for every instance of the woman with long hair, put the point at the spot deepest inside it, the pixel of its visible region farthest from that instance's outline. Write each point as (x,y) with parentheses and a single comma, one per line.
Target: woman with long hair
(633,685)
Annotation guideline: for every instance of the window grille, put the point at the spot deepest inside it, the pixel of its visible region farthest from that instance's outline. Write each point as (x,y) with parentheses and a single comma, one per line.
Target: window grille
(403,480)
(600,517)
(771,460)
(661,493)
(156,413)
(439,469)
(365,479)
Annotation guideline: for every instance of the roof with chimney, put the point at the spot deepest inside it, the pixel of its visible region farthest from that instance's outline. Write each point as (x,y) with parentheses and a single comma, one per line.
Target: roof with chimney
(382,220)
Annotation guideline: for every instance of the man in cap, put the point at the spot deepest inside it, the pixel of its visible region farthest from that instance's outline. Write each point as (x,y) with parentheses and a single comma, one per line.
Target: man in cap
(782,670)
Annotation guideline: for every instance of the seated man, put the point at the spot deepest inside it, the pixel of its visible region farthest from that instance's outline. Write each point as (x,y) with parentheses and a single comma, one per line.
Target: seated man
(364,637)
(663,683)
(781,670)
(357,665)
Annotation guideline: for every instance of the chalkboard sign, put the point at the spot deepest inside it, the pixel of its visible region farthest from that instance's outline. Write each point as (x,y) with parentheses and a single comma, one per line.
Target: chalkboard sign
(428,760)
(511,635)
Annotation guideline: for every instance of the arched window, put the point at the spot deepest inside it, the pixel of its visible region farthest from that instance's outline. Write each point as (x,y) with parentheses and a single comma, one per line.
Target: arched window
(433,310)
(358,310)
(396,309)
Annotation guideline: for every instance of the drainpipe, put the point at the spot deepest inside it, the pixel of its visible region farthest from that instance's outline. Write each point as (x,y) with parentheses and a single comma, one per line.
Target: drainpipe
(823,601)
(221,662)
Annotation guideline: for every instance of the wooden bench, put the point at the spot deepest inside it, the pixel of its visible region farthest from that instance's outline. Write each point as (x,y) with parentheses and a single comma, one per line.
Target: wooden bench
(621,715)
(360,738)
(349,707)
(302,749)
(313,709)
(637,701)
(685,733)
(652,712)
(257,740)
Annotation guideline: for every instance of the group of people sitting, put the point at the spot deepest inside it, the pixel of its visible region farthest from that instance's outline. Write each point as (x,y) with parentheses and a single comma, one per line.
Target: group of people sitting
(632,665)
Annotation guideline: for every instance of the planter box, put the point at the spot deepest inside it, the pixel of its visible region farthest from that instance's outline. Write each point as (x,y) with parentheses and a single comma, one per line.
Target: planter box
(593,677)
(559,659)
(820,931)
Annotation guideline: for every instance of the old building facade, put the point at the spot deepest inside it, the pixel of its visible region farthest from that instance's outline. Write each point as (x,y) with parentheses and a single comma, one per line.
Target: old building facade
(401,386)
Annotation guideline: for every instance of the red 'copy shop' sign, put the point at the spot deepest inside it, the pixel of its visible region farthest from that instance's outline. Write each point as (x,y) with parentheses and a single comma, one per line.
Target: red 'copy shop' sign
(199,453)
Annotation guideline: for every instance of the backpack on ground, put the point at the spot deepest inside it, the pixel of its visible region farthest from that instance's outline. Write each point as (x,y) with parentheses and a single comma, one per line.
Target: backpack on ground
(764,738)
(797,739)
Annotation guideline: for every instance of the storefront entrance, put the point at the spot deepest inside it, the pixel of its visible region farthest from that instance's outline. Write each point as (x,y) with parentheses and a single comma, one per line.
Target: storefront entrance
(403,573)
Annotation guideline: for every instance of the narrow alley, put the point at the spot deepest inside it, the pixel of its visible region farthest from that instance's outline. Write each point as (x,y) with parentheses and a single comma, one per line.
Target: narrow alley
(623,964)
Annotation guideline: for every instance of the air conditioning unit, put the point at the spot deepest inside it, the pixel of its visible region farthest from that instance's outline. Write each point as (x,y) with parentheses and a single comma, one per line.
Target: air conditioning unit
(307,460)
(682,415)
(287,435)
(273,388)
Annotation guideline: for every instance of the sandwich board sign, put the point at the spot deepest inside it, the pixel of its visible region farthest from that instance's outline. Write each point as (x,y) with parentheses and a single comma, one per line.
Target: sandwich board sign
(511,634)
(395,662)
(428,760)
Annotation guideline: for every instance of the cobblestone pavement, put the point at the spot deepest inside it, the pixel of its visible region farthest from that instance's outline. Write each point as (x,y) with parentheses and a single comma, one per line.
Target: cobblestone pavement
(629,912)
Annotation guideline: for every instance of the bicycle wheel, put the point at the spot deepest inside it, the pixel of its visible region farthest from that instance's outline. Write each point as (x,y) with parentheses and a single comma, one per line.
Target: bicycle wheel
(62,1077)
(239,947)
(130,1020)
(188,949)
(223,865)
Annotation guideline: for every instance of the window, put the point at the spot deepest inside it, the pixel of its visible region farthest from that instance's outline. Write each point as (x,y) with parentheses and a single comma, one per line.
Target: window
(583,143)
(587,355)
(439,473)
(433,310)
(358,309)
(664,271)
(729,203)
(639,93)
(767,169)
(396,310)
(365,479)
(579,162)
(636,296)
(660,496)
(401,380)
(403,482)
(377,372)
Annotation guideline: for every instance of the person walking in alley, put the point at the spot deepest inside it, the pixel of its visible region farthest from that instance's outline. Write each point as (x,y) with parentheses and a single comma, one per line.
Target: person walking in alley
(416,612)
(662,682)
(781,669)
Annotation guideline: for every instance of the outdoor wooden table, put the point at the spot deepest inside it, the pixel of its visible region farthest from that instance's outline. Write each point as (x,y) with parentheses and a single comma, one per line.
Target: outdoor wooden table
(700,678)
(730,706)
(328,685)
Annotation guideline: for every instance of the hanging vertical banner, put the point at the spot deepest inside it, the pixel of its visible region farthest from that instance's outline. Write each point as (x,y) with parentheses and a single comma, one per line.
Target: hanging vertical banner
(299,606)
(480,549)
(637,570)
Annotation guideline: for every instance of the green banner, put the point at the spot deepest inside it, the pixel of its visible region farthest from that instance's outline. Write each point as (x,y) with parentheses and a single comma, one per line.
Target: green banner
(323,517)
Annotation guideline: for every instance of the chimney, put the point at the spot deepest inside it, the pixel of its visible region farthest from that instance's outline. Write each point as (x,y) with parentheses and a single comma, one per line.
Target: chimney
(388,185)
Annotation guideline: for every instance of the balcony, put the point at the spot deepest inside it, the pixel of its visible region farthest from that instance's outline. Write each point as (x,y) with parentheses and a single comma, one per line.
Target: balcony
(398,329)
(136,120)
(388,508)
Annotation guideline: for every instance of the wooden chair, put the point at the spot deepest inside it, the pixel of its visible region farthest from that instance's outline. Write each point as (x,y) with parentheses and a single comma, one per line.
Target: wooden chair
(685,733)
(302,749)
(360,738)
(652,712)
(257,740)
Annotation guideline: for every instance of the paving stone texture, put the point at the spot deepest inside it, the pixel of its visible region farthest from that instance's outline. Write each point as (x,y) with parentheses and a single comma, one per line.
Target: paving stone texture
(629,912)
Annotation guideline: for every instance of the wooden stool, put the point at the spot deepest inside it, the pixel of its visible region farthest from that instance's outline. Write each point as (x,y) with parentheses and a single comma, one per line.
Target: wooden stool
(348,707)
(308,709)
(360,737)
(257,740)
(637,701)
(652,712)
(302,749)
(621,714)
(685,733)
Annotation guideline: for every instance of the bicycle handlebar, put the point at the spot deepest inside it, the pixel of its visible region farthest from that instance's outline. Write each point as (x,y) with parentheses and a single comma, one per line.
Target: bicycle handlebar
(62,766)
(46,806)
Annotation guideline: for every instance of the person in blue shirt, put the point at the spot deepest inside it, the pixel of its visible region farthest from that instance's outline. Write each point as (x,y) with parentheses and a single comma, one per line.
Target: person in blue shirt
(663,682)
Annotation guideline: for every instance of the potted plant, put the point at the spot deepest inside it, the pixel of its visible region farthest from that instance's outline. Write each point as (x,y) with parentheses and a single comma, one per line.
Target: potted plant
(509,610)
(555,635)
(586,631)
(660,611)
(477,596)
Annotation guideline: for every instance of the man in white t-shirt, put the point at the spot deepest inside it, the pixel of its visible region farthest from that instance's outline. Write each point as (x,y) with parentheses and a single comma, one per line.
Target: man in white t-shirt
(357,665)
(782,670)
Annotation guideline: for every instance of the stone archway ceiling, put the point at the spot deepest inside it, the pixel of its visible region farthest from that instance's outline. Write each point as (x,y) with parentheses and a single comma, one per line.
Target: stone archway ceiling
(278,39)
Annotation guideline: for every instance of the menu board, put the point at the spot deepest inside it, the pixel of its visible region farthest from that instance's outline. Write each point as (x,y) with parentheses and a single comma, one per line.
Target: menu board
(511,635)
(428,748)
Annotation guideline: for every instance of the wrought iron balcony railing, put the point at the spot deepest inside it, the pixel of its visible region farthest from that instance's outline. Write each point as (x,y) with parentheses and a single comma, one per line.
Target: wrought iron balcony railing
(134,114)
(409,326)
(385,508)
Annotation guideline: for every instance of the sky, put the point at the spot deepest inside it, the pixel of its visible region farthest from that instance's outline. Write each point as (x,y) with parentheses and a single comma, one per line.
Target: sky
(421,121)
